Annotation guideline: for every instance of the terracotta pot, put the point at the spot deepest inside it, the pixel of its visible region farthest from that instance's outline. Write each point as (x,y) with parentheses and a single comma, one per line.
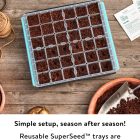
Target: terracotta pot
(2,99)
(106,87)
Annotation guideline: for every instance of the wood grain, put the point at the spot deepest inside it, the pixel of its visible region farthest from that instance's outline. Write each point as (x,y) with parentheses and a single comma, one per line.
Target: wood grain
(73,97)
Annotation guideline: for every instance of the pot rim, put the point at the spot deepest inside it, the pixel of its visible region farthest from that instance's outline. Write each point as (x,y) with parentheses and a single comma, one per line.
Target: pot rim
(2,98)
(104,88)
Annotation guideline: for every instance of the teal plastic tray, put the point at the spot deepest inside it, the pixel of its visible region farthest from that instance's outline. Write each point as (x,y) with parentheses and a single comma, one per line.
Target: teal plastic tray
(108,36)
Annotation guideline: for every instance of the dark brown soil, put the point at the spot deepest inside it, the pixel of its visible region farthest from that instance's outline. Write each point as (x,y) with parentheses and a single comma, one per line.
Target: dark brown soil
(39,54)
(43,78)
(104,54)
(94,68)
(69,73)
(35,31)
(74,35)
(76,47)
(110,92)
(93,8)
(69,13)
(137,92)
(88,45)
(106,96)
(81,71)
(56,75)
(57,15)
(64,49)
(41,66)
(59,26)
(62,37)
(98,31)
(83,22)
(95,20)
(91,56)
(129,106)
(49,40)
(54,63)
(47,29)
(85,33)
(33,20)
(45,18)
(81,11)
(52,52)
(71,24)
(79,59)
(37,42)
(101,42)
(66,61)
(106,66)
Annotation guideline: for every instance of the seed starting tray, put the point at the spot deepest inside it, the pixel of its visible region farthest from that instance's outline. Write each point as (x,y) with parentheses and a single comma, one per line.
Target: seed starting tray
(69,43)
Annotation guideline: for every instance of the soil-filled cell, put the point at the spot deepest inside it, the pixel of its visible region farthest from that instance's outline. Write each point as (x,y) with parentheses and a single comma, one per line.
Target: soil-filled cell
(81,11)
(66,61)
(59,26)
(54,64)
(101,42)
(41,66)
(64,49)
(45,17)
(39,54)
(106,66)
(94,68)
(86,33)
(33,20)
(47,29)
(69,13)
(37,42)
(83,22)
(51,52)
(104,54)
(81,71)
(49,40)
(57,15)
(79,59)
(95,20)
(91,56)
(88,45)
(93,8)
(71,24)
(62,37)
(76,47)
(69,73)
(74,35)
(56,76)
(98,31)
(43,78)
(35,31)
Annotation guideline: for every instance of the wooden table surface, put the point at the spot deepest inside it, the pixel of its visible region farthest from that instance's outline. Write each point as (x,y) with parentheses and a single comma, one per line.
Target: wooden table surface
(69,98)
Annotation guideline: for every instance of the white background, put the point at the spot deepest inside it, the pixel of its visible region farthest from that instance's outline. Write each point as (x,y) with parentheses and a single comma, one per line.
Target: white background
(129,132)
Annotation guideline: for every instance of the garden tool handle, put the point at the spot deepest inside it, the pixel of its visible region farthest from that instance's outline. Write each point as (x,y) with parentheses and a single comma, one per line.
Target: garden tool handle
(136,88)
